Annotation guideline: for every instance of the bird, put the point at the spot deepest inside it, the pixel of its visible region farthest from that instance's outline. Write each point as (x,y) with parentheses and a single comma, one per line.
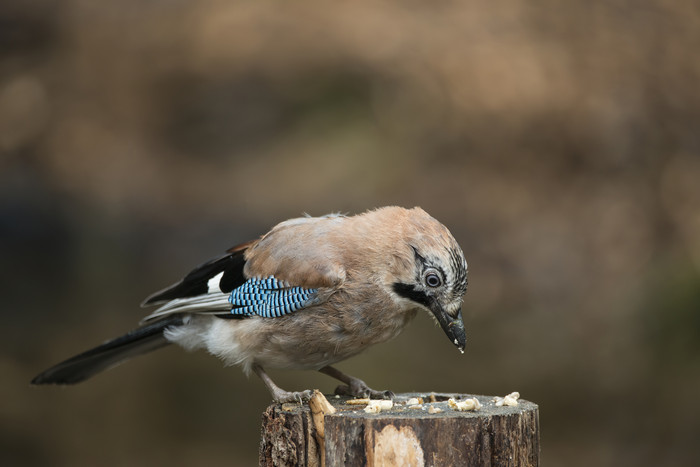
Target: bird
(311,292)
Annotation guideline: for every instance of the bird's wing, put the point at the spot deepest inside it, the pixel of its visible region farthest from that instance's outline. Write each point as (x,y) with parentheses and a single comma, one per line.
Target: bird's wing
(305,252)
(205,289)
(227,268)
(270,298)
(292,267)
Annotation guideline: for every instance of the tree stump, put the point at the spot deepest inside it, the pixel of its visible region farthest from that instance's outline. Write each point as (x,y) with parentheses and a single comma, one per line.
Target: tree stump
(429,434)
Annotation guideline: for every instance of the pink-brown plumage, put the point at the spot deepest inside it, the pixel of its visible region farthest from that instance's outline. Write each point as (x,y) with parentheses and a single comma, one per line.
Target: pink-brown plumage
(370,274)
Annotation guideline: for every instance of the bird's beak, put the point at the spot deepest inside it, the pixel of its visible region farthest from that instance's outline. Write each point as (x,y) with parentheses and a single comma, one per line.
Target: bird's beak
(453,326)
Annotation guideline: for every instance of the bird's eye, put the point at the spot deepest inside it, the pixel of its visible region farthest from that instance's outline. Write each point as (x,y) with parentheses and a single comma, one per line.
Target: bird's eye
(433,279)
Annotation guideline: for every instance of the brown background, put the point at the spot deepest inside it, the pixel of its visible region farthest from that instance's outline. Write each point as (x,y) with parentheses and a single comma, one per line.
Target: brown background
(560,142)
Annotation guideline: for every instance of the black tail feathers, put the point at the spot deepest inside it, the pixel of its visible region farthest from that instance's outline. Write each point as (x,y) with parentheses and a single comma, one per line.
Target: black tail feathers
(109,354)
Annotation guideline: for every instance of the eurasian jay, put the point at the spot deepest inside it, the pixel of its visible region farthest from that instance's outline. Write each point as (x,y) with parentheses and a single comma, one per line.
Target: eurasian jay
(311,292)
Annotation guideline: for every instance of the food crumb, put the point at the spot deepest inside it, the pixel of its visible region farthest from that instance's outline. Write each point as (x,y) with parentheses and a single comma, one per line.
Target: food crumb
(464,405)
(376,406)
(357,401)
(510,400)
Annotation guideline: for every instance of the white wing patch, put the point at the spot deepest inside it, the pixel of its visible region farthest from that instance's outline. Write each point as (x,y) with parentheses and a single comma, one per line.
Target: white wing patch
(213,283)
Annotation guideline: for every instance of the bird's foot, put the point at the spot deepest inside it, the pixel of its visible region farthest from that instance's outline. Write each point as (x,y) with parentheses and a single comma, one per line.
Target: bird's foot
(279,395)
(358,388)
(282,396)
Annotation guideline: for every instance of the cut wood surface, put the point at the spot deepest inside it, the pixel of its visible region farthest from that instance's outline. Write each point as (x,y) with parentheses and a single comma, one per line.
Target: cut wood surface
(426,434)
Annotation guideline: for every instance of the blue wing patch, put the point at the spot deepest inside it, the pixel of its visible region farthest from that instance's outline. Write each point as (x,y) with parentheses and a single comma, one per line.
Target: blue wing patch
(269,298)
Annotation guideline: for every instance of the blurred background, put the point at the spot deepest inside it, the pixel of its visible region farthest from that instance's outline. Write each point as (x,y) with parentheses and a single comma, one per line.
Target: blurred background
(560,143)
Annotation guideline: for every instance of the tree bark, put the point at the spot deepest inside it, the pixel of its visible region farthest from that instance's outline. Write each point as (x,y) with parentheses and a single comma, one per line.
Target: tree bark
(403,435)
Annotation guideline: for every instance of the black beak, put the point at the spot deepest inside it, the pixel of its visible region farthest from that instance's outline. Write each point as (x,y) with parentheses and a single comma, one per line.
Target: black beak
(453,326)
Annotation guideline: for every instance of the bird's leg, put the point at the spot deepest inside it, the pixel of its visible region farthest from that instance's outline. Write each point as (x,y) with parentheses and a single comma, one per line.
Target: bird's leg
(355,386)
(279,394)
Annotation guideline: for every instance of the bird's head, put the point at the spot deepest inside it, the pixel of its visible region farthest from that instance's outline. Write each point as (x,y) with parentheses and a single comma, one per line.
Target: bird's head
(434,274)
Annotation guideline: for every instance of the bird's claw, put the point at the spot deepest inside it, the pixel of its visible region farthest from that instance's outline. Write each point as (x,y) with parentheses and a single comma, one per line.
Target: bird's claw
(286,396)
(357,388)
(381,394)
